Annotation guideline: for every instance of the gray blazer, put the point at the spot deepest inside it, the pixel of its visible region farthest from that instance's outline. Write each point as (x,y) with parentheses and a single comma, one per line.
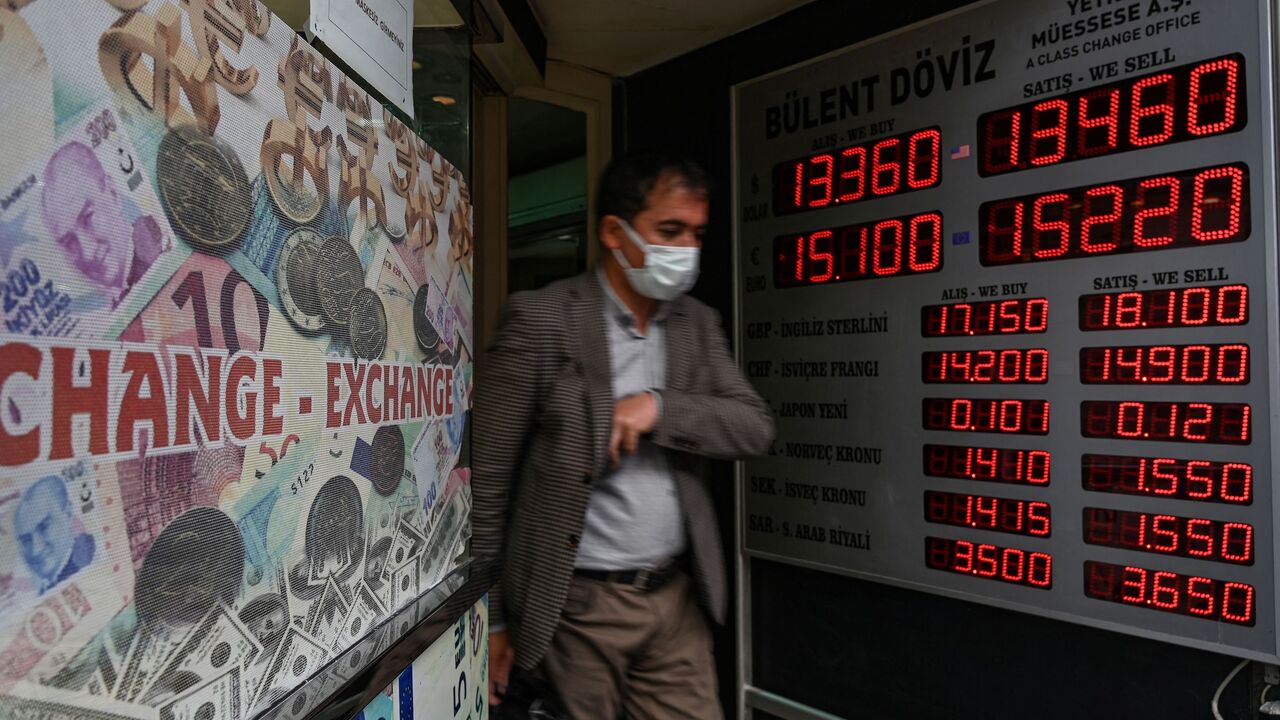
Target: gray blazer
(543,414)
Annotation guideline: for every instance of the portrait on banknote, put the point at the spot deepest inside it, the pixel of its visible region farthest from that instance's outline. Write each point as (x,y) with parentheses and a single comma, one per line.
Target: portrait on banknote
(235,348)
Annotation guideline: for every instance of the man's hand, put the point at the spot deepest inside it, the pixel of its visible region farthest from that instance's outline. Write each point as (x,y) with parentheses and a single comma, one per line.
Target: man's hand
(632,417)
(501,656)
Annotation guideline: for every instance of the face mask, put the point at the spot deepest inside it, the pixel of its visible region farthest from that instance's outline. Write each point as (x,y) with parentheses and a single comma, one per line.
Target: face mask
(668,272)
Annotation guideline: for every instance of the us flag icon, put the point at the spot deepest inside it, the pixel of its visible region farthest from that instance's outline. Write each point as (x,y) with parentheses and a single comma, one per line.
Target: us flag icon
(959,151)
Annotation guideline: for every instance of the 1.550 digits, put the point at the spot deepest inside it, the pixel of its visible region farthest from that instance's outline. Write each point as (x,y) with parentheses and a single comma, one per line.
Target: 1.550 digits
(1205,480)
(1170,535)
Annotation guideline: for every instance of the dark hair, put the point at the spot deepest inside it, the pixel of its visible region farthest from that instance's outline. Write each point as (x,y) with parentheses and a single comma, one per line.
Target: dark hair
(628,180)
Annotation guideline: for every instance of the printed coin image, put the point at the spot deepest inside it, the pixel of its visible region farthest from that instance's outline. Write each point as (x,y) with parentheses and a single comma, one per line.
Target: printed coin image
(195,564)
(368,327)
(428,338)
(204,189)
(339,276)
(388,459)
(296,279)
(335,531)
(299,203)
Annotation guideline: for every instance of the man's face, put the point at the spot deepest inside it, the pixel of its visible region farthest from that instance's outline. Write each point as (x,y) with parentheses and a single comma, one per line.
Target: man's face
(44,528)
(674,216)
(85,218)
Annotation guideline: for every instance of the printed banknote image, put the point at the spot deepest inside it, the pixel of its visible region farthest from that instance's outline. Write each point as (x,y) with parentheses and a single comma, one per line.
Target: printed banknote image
(235,317)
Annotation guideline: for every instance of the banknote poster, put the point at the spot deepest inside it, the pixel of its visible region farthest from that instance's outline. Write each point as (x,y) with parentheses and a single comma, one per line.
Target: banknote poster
(450,681)
(235,317)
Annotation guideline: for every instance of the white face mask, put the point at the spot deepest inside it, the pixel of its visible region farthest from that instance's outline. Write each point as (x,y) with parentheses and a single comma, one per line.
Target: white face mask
(668,272)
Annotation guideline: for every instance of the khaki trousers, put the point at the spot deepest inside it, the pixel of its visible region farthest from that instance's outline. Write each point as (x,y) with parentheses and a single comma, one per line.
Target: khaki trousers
(624,652)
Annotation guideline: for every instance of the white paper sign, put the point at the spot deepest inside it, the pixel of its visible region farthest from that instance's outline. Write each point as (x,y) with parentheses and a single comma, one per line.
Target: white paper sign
(373,37)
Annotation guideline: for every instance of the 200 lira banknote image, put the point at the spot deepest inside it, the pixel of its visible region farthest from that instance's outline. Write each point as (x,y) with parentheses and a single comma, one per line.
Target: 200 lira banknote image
(83,239)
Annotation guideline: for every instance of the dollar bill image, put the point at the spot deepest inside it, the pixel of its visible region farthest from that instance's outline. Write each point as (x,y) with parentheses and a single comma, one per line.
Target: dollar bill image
(83,240)
(396,288)
(66,570)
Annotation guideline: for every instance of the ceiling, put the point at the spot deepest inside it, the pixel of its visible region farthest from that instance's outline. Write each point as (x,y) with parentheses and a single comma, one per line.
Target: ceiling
(621,37)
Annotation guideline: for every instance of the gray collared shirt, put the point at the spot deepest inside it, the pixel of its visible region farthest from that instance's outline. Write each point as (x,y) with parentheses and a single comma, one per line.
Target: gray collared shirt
(634,519)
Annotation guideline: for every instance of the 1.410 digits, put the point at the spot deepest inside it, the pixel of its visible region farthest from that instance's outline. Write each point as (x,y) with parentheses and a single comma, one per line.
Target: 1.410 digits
(1152,309)
(1004,465)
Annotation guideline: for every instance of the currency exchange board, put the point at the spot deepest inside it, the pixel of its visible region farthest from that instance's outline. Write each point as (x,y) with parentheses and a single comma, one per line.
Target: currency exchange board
(1008,280)
(235,360)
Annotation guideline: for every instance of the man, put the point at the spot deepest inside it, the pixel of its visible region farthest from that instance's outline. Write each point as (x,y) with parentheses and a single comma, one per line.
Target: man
(86,218)
(600,402)
(51,547)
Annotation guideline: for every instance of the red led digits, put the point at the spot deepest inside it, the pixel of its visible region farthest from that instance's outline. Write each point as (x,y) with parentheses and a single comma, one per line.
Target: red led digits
(1008,515)
(1225,423)
(1184,307)
(1005,564)
(894,165)
(1190,595)
(1189,102)
(1216,364)
(1190,208)
(987,415)
(906,245)
(1230,542)
(1202,480)
(991,317)
(1015,366)
(1003,465)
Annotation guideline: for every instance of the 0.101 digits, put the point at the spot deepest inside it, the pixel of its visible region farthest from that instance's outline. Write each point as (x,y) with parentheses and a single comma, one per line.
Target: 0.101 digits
(1191,208)
(987,415)
(990,317)
(982,512)
(1013,366)
(1186,103)
(1203,480)
(1189,595)
(905,245)
(873,169)
(1203,422)
(1006,564)
(1199,538)
(1003,465)
(1226,364)
(1185,307)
